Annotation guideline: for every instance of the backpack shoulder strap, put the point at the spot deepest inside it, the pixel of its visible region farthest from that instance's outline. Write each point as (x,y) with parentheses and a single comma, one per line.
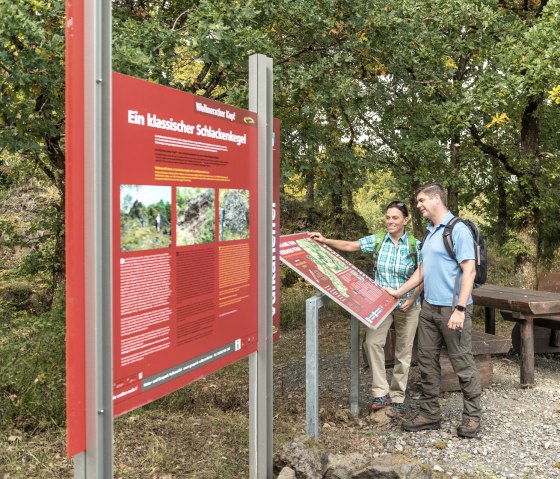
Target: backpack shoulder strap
(412,243)
(447,238)
(378,240)
(376,249)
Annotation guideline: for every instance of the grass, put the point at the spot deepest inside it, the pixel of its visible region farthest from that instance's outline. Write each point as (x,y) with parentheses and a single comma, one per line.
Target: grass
(201,431)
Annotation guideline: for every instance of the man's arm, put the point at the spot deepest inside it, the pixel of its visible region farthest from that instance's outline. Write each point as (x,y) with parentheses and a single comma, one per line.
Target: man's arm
(415,280)
(337,244)
(467,282)
(409,302)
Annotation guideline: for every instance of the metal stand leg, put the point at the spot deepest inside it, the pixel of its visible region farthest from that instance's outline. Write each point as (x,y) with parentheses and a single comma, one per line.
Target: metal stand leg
(312,306)
(355,367)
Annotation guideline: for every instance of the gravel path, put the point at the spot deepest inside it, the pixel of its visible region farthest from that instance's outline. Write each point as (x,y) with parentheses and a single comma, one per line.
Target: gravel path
(520,431)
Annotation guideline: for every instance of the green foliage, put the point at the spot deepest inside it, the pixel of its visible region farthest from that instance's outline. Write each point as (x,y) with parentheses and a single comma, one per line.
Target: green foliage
(32,86)
(292,305)
(371,200)
(32,369)
(29,221)
(515,247)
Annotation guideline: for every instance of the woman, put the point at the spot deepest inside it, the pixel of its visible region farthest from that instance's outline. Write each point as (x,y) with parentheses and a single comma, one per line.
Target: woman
(396,256)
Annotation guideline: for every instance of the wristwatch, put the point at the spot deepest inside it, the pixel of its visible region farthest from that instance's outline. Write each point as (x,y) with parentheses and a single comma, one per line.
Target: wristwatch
(460,308)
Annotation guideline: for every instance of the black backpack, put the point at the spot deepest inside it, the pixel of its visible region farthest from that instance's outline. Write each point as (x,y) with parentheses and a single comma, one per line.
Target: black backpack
(481,259)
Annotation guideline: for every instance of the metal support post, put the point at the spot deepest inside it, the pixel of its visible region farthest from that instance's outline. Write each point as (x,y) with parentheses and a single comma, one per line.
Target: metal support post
(260,363)
(355,366)
(312,306)
(97,460)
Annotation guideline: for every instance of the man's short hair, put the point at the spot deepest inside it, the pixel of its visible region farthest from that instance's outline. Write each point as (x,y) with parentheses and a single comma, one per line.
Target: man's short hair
(432,189)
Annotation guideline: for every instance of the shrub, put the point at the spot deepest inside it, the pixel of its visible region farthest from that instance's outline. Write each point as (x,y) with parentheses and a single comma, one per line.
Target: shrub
(32,369)
(292,305)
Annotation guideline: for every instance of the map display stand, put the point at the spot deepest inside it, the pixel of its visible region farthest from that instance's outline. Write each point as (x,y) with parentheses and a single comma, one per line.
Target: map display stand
(338,280)
(312,307)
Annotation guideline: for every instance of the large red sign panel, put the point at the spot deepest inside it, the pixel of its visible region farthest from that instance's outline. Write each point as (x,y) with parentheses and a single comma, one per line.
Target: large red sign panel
(185,238)
(337,278)
(75,248)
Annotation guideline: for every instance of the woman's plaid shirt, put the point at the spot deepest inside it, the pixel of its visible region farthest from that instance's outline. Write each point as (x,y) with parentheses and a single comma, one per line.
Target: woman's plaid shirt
(394,262)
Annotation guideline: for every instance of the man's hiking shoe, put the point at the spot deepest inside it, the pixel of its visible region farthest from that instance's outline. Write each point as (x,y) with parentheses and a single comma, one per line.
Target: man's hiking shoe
(469,427)
(380,402)
(397,406)
(421,423)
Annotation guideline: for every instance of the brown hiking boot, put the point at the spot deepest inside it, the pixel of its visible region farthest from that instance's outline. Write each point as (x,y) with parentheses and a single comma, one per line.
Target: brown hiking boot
(469,427)
(421,423)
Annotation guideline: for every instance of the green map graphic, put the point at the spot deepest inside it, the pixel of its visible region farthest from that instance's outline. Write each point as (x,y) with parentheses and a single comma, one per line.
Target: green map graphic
(328,264)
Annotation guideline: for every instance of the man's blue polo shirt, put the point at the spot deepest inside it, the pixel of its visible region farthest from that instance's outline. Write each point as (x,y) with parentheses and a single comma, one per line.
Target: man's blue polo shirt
(439,268)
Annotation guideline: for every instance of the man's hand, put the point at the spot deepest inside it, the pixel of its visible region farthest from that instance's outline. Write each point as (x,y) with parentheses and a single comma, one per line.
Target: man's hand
(456,320)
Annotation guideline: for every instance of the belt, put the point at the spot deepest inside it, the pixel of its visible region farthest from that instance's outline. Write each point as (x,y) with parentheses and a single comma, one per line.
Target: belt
(436,307)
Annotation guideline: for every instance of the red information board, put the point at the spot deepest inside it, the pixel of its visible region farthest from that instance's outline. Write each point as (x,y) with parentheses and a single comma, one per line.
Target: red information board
(185,238)
(337,278)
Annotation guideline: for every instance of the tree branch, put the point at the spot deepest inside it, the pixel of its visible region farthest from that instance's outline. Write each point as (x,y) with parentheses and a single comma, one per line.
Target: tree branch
(492,151)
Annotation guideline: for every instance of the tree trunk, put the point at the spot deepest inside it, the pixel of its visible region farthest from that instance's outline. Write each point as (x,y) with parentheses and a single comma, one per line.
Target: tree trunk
(502,220)
(527,231)
(310,187)
(452,193)
(526,264)
(349,196)
(336,193)
(419,229)
(452,200)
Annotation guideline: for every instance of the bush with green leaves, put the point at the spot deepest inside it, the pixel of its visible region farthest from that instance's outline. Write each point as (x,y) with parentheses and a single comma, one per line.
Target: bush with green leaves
(32,369)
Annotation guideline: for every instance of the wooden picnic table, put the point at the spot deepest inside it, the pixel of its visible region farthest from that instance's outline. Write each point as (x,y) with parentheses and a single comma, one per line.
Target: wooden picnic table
(525,305)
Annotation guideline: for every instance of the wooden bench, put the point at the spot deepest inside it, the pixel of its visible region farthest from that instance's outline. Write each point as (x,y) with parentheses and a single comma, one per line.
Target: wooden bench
(546,328)
(483,346)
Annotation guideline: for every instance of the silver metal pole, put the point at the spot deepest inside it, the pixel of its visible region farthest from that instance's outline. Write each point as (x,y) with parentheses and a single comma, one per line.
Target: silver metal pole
(260,363)
(97,461)
(312,306)
(355,366)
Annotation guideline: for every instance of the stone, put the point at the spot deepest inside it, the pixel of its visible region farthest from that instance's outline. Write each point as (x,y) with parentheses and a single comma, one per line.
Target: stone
(307,458)
(343,466)
(393,466)
(382,417)
(287,473)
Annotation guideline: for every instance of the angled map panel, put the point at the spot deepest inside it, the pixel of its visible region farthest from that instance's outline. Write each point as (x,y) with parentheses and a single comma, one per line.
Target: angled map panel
(337,278)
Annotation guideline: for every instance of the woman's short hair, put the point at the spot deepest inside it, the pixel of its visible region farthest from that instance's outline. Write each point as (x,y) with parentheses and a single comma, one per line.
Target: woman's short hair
(400,206)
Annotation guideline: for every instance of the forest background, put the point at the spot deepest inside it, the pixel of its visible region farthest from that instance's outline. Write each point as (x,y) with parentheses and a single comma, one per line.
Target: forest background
(375,98)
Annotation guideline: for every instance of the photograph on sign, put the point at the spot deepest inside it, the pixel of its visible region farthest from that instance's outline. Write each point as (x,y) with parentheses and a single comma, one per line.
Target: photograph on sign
(234,214)
(336,277)
(196,215)
(145,217)
(185,239)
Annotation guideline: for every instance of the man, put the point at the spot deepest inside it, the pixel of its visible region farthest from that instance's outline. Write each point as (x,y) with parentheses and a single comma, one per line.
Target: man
(445,315)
